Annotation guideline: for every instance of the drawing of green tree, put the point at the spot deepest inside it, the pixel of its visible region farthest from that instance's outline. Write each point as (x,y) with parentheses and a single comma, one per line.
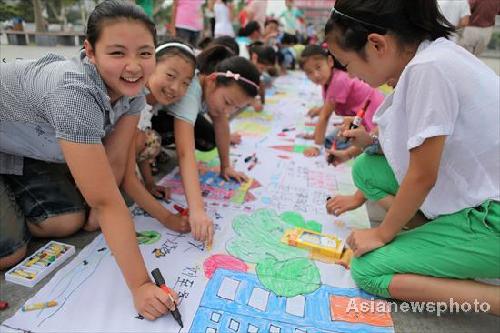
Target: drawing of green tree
(283,269)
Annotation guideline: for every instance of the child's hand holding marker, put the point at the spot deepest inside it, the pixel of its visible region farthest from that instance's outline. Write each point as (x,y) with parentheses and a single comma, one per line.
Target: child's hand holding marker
(358,137)
(160,282)
(152,302)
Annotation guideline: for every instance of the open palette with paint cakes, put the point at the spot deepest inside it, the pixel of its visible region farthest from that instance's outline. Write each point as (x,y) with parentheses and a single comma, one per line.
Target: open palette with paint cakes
(37,266)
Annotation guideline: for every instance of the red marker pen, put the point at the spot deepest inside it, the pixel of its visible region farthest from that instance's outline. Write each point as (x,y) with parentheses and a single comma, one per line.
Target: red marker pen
(183,211)
(358,119)
(160,282)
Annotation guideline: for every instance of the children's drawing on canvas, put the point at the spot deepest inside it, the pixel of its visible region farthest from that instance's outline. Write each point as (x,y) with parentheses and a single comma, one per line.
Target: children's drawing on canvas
(250,281)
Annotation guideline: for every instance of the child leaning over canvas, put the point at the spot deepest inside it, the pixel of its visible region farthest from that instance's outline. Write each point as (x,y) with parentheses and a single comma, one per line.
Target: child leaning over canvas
(174,71)
(224,84)
(67,122)
(342,94)
(430,163)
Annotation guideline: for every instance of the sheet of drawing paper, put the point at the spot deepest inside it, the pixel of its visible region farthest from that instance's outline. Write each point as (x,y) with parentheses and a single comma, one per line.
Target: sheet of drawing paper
(250,281)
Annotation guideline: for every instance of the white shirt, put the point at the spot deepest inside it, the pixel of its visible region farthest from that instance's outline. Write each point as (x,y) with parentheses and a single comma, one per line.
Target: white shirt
(454,10)
(446,91)
(223,26)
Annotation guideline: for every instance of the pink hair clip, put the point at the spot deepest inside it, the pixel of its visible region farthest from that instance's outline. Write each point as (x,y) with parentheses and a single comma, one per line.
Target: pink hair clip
(237,77)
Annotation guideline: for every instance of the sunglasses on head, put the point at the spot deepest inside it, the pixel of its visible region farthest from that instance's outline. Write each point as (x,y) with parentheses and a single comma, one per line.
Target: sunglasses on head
(339,15)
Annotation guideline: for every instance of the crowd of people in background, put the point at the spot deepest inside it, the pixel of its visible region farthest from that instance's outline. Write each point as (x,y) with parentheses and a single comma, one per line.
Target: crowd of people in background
(474,19)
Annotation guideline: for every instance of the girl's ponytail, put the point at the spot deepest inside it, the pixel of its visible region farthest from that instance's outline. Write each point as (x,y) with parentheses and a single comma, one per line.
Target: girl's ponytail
(426,16)
(207,60)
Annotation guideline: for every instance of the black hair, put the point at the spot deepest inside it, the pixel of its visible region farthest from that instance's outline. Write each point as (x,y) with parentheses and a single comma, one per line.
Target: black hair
(204,42)
(271,21)
(209,58)
(249,28)
(176,51)
(228,41)
(243,67)
(318,51)
(289,39)
(411,21)
(265,54)
(114,10)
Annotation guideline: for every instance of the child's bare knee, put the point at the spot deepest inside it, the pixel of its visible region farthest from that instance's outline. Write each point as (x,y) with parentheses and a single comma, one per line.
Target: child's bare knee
(74,223)
(58,226)
(14,258)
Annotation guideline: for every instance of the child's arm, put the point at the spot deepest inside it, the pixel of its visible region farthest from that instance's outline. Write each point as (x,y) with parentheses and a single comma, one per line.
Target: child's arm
(201,224)
(172,18)
(147,175)
(113,144)
(222,140)
(320,130)
(257,104)
(97,184)
(313,112)
(262,92)
(339,204)
(136,190)
(418,182)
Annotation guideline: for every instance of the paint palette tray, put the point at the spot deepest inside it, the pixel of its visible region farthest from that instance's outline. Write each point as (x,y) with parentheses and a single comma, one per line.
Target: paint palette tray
(37,266)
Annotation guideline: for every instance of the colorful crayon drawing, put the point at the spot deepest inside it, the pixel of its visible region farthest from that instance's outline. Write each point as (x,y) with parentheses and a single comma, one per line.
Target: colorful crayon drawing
(251,128)
(147,237)
(285,270)
(208,158)
(238,302)
(250,281)
(291,148)
(211,264)
(250,113)
(214,187)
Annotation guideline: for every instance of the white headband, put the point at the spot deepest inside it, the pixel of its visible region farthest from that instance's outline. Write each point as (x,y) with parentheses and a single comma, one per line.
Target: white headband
(175,44)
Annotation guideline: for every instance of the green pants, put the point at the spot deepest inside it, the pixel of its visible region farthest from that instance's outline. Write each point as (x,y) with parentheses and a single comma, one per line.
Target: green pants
(462,245)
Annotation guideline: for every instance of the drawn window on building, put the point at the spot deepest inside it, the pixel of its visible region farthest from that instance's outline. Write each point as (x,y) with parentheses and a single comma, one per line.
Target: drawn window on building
(211,330)
(252,329)
(298,330)
(228,289)
(215,317)
(258,299)
(274,329)
(234,325)
(296,306)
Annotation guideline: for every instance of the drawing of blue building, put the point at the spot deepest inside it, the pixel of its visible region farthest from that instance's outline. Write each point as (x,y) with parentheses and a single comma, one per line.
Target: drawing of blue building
(237,302)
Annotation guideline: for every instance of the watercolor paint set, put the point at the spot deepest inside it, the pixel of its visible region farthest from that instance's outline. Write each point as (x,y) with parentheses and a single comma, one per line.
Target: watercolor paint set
(37,266)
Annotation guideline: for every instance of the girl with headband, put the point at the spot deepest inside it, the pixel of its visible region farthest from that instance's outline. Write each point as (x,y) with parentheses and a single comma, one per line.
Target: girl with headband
(439,135)
(224,84)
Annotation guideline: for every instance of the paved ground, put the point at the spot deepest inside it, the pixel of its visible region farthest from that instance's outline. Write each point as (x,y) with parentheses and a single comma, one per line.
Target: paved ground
(404,322)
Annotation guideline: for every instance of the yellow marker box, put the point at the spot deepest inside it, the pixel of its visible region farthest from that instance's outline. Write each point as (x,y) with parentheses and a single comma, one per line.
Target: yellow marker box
(327,248)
